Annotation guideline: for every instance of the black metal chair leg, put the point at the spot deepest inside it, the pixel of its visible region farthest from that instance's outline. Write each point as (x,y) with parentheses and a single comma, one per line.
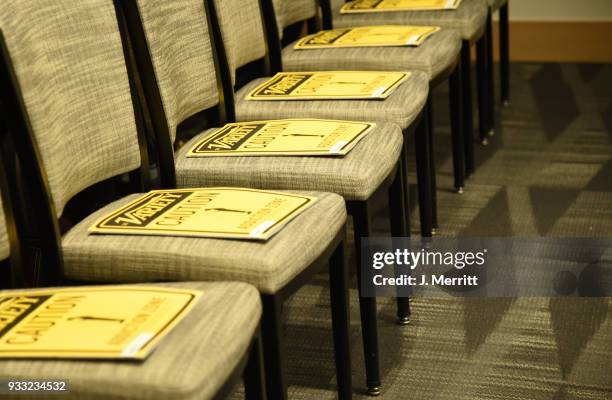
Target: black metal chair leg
(490,75)
(468,117)
(481,81)
(454,83)
(399,229)
(274,349)
(421,137)
(406,184)
(504,46)
(367,305)
(254,376)
(339,294)
(432,164)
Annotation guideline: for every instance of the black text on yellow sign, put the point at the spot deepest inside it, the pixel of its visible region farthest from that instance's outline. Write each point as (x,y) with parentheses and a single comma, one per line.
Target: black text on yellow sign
(96,322)
(361,6)
(368,36)
(288,137)
(232,213)
(329,85)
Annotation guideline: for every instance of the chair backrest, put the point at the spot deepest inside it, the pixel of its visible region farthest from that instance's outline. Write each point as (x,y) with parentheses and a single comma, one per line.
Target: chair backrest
(242,29)
(179,49)
(5,247)
(69,69)
(289,12)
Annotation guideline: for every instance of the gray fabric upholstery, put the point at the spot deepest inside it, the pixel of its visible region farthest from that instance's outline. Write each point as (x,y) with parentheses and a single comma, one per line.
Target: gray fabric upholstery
(468,19)
(434,56)
(401,107)
(178,41)
(355,176)
(242,31)
(192,362)
(496,4)
(297,10)
(267,265)
(69,63)
(5,250)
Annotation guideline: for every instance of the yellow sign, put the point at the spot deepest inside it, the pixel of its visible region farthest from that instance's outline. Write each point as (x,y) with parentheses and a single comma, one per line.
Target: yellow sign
(233,213)
(96,322)
(331,85)
(368,36)
(286,137)
(362,6)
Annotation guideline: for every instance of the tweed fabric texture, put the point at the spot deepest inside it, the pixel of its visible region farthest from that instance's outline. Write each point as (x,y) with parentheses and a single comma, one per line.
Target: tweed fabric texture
(192,362)
(496,4)
(401,107)
(297,10)
(467,19)
(69,62)
(5,248)
(242,31)
(434,56)
(267,265)
(355,176)
(179,44)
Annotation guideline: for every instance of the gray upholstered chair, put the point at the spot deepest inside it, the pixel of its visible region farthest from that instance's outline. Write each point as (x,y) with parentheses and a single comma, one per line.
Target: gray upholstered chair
(67,91)
(175,59)
(203,357)
(469,20)
(438,57)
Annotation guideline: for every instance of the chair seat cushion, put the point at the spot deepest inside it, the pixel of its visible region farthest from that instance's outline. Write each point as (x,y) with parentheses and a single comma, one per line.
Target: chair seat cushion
(192,362)
(433,57)
(267,265)
(496,4)
(355,176)
(401,107)
(468,19)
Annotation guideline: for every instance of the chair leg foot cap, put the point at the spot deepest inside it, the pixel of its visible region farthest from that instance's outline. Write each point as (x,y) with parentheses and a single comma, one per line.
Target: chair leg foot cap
(459,190)
(492,132)
(433,231)
(403,320)
(484,141)
(373,391)
(506,103)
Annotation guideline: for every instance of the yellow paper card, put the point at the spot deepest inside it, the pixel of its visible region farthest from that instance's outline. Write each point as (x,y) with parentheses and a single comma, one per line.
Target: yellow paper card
(286,137)
(368,36)
(232,213)
(329,85)
(97,322)
(362,6)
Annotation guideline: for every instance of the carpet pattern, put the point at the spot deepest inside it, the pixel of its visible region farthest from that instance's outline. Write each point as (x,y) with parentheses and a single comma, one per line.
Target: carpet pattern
(546,172)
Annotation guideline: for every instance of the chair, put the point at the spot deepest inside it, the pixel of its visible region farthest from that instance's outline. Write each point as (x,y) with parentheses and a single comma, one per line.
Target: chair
(74,120)
(438,57)
(168,41)
(469,19)
(230,346)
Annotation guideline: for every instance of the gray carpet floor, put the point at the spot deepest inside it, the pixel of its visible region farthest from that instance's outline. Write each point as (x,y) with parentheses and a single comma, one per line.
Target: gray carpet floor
(546,172)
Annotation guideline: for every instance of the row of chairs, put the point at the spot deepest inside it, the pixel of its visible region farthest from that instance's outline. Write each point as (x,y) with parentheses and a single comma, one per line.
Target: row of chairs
(91,90)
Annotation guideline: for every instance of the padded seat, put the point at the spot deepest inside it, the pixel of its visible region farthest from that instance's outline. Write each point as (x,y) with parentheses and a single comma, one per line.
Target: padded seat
(438,53)
(401,107)
(496,4)
(355,176)
(193,361)
(468,19)
(266,265)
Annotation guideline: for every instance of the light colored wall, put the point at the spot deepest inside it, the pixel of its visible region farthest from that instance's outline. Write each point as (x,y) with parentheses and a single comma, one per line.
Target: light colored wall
(561,10)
